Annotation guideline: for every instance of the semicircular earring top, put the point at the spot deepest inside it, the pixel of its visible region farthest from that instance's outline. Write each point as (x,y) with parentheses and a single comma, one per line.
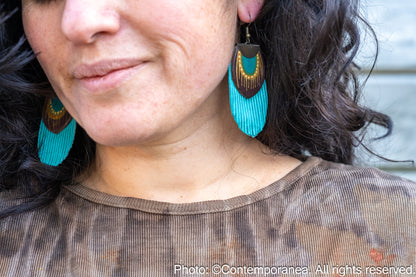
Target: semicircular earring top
(248,90)
(56,133)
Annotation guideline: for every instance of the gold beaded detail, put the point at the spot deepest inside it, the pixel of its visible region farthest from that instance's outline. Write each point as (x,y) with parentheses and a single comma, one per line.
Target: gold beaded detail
(248,81)
(241,68)
(52,114)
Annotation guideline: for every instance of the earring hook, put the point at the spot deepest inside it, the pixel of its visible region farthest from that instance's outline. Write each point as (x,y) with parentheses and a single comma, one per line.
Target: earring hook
(248,36)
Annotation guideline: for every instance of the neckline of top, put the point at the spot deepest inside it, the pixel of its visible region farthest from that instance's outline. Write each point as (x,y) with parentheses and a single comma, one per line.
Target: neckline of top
(203,207)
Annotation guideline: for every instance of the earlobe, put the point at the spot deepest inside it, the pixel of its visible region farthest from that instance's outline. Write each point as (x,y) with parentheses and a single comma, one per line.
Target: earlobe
(248,10)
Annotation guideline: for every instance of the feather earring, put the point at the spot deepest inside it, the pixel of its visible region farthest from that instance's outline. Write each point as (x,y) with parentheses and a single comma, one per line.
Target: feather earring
(56,133)
(247,85)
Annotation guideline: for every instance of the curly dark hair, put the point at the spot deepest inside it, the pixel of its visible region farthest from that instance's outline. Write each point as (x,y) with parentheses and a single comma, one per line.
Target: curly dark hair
(308,48)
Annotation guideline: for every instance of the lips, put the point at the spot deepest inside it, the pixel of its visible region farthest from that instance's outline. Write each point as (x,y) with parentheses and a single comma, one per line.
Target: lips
(106,75)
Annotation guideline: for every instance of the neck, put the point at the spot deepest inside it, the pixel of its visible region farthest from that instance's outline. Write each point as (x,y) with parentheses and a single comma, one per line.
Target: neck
(213,161)
(168,171)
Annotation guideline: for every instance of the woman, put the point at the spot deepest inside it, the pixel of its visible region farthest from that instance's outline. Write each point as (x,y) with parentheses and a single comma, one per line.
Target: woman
(138,158)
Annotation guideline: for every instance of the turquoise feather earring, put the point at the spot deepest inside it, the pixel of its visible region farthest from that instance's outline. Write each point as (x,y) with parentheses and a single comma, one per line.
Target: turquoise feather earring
(56,133)
(247,85)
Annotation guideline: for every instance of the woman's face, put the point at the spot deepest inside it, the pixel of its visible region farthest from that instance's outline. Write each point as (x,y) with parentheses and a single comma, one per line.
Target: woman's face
(131,71)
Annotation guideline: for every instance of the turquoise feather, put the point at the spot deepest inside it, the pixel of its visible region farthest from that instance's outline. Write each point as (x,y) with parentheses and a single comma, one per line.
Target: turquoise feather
(54,148)
(249,113)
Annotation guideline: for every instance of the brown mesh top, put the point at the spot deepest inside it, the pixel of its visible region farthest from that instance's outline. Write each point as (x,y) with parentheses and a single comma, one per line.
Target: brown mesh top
(322,219)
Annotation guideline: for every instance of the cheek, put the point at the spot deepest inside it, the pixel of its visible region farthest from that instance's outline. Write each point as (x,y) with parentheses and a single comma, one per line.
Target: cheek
(29,23)
(42,26)
(201,47)
(33,25)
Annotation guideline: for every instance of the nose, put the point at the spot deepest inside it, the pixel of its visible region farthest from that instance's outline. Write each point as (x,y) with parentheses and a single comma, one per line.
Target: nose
(84,20)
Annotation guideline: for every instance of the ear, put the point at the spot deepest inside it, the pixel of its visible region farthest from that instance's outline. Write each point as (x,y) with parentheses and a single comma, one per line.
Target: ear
(248,10)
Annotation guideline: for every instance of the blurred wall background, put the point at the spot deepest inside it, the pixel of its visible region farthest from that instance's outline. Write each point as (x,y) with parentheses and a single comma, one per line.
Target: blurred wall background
(391,88)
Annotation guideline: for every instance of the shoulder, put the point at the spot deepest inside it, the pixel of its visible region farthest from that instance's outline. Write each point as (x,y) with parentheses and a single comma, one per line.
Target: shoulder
(374,193)
(9,199)
(25,236)
(364,211)
(13,228)
(347,186)
(356,178)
